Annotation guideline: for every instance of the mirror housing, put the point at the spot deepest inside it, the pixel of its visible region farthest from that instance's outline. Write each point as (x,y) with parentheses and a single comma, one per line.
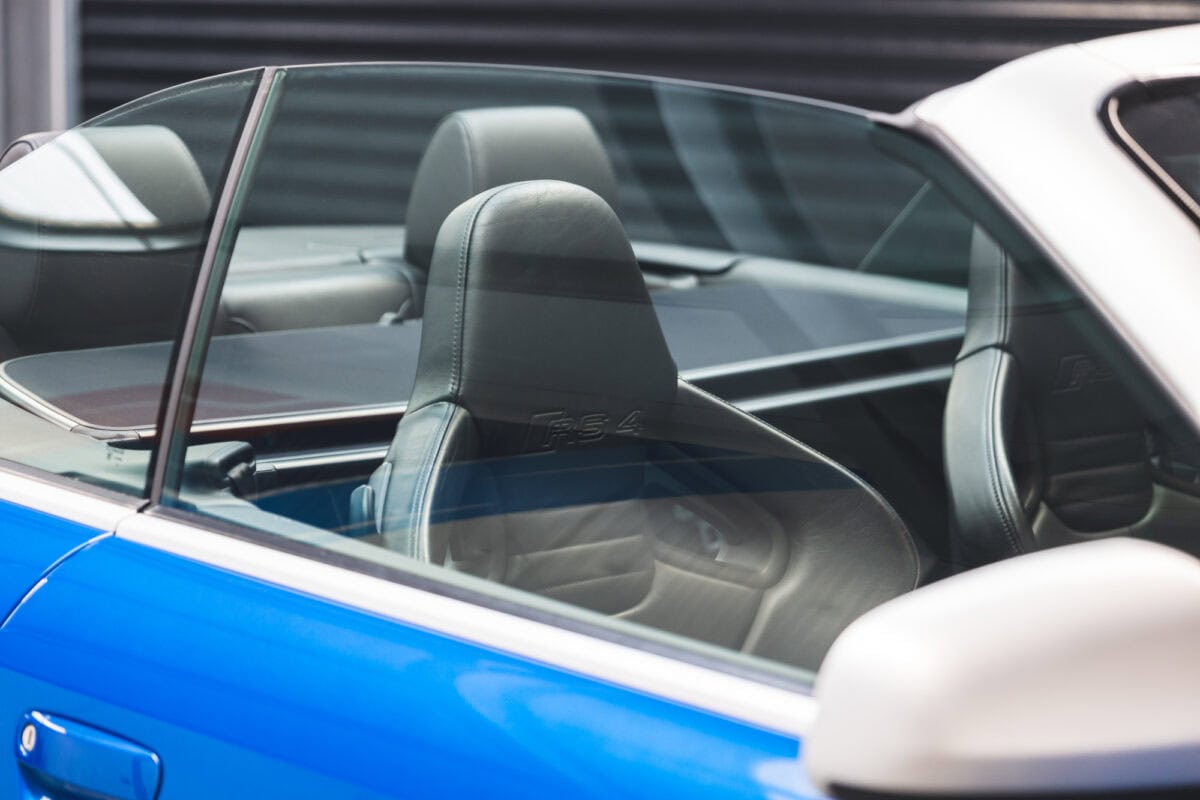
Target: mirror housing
(1068,671)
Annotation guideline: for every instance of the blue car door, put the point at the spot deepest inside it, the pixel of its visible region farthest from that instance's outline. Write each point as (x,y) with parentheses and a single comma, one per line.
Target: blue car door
(135,672)
(31,544)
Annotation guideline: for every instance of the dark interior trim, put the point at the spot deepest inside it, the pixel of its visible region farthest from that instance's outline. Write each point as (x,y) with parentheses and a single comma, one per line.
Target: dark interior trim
(166,463)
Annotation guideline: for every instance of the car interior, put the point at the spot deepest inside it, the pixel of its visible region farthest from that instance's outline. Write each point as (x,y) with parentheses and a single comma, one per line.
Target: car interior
(519,381)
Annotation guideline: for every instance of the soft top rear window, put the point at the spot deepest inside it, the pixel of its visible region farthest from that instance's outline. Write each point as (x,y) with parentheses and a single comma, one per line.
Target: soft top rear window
(1160,126)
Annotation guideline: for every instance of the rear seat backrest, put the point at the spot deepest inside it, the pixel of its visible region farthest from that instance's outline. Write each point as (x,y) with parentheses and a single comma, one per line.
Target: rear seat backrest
(469,151)
(284,278)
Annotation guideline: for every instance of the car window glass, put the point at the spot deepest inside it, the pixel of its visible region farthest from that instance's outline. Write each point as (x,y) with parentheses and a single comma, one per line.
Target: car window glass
(1165,125)
(101,233)
(636,348)
(694,167)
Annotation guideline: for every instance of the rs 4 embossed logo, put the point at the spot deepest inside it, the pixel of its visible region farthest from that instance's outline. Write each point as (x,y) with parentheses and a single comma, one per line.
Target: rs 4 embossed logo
(551,430)
(1077,372)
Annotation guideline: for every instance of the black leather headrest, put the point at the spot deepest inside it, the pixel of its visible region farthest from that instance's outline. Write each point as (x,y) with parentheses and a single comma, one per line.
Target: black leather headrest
(478,149)
(158,168)
(24,145)
(131,178)
(113,266)
(536,305)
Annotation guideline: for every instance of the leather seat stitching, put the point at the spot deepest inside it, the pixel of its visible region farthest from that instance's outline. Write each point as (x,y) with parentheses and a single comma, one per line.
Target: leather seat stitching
(460,298)
(456,345)
(420,501)
(993,459)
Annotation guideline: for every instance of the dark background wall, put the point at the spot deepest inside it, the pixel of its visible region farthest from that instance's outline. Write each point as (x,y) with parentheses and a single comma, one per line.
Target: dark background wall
(875,53)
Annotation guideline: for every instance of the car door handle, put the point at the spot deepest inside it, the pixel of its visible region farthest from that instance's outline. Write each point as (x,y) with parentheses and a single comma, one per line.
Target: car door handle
(62,758)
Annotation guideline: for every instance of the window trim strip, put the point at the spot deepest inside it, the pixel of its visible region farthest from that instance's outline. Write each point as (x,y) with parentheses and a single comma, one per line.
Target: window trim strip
(176,412)
(1110,116)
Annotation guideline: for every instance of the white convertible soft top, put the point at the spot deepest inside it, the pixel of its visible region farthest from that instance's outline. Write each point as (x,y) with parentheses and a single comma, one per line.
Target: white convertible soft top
(1034,131)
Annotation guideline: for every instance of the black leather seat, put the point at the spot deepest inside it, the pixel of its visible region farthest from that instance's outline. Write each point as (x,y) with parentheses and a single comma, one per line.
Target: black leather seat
(284,278)
(1051,434)
(470,151)
(478,149)
(550,445)
(117,265)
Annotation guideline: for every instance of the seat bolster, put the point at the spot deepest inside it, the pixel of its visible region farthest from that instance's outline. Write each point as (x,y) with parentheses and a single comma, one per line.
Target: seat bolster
(408,485)
(836,528)
(980,413)
(991,293)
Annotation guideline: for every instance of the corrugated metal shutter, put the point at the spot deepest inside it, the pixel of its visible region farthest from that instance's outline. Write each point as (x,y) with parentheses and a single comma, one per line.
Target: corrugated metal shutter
(875,53)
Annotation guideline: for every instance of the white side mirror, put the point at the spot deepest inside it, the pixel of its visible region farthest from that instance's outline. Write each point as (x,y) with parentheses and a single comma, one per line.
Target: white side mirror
(1070,671)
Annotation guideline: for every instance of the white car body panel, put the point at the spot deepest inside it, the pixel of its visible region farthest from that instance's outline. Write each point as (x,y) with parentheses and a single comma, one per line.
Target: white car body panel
(1033,132)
